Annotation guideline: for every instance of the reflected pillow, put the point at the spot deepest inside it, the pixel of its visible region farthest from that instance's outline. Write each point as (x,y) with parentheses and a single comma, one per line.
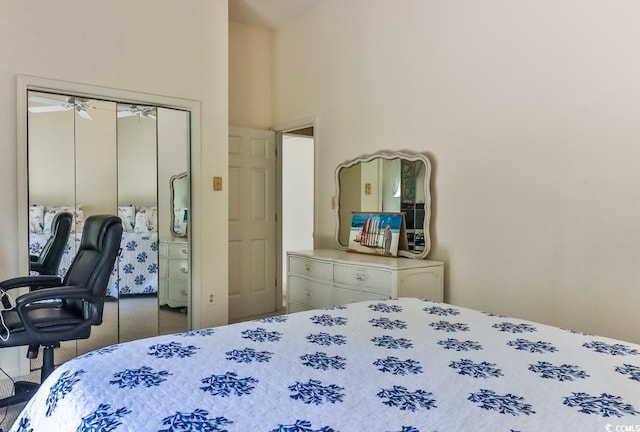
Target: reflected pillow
(36,219)
(146,220)
(128,216)
(77,222)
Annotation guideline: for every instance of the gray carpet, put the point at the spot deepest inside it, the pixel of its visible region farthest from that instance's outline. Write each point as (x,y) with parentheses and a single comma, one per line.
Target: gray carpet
(9,414)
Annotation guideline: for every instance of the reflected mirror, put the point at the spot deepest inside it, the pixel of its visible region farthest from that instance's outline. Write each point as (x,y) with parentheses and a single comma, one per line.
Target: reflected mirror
(386,182)
(179,204)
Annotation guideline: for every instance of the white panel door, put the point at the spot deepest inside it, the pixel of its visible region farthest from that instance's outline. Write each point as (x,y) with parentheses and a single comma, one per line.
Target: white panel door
(252,222)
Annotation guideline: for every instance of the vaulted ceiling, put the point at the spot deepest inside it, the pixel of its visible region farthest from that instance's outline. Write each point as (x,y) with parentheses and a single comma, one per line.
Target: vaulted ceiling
(268,14)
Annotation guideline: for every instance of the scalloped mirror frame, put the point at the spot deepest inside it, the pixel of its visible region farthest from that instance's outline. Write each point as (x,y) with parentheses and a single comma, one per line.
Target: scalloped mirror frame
(174,179)
(427,191)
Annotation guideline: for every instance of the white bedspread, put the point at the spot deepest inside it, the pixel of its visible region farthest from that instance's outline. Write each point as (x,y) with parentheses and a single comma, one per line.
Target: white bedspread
(398,365)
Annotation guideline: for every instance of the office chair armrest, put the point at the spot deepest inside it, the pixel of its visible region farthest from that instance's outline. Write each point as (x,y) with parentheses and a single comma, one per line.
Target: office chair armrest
(56,293)
(33,282)
(26,301)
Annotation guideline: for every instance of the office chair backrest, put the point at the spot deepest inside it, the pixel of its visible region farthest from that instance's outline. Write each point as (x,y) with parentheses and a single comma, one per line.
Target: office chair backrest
(95,259)
(49,259)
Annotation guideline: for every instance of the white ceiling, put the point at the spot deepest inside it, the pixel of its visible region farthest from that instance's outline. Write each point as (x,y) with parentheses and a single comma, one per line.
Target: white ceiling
(268,14)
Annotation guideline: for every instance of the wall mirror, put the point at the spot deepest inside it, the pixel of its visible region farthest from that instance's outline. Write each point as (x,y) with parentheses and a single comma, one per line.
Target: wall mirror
(91,156)
(386,182)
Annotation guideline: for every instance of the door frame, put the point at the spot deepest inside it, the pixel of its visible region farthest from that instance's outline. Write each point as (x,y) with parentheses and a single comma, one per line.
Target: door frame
(19,364)
(284,128)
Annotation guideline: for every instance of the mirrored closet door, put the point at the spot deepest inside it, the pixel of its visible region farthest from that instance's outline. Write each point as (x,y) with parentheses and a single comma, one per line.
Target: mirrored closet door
(93,156)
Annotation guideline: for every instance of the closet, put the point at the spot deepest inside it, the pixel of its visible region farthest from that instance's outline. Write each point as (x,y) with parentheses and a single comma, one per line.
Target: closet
(93,155)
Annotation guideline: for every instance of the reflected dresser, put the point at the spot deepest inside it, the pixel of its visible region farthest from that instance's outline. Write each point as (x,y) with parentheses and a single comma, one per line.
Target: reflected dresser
(321,278)
(174,274)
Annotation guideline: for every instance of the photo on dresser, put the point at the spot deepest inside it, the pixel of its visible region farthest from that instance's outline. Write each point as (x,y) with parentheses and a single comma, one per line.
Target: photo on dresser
(376,233)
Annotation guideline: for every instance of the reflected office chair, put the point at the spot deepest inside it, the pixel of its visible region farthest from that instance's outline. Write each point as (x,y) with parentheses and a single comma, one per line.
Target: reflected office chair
(57,310)
(48,262)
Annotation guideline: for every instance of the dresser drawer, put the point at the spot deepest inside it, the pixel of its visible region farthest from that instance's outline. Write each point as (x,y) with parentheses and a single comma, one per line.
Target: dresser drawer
(178,250)
(369,279)
(310,268)
(178,292)
(163,271)
(344,296)
(312,294)
(178,270)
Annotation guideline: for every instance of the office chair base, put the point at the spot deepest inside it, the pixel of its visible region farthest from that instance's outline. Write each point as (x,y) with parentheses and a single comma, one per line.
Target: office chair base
(23,390)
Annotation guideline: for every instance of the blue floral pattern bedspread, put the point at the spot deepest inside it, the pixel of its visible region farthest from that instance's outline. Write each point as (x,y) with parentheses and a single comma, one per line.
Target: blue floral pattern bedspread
(402,365)
(136,271)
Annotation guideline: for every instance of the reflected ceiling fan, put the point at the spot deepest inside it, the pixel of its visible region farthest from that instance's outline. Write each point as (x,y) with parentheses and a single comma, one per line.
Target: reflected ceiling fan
(80,105)
(136,110)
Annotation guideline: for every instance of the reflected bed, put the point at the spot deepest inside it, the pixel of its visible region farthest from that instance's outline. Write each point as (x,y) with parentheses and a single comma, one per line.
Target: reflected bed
(395,365)
(137,264)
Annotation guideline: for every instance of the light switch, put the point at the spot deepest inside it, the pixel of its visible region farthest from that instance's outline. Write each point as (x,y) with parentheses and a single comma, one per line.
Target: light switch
(217,183)
(367,188)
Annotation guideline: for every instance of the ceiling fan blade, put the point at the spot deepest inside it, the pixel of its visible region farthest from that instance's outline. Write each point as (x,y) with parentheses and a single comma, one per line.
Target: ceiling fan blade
(84,114)
(48,109)
(127,113)
(48,101)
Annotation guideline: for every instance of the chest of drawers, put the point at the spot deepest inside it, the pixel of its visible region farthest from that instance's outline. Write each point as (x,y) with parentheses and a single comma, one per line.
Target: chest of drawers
(174,274)
(325,277)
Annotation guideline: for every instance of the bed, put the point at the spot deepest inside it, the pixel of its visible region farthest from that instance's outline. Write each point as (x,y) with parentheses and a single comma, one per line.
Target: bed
(394,365)
(137,264)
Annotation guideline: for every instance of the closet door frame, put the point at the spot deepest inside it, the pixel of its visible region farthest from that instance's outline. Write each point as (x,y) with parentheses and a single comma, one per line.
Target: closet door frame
(26,83)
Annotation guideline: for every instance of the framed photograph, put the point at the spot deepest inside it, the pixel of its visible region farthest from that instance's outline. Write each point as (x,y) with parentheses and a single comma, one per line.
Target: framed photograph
(376,233)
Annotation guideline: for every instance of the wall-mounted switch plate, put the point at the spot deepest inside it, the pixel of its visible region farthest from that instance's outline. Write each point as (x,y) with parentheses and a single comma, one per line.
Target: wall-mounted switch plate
(217,183)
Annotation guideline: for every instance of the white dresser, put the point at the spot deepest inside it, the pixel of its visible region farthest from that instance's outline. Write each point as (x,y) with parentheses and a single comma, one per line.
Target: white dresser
(326,277)
(173,284)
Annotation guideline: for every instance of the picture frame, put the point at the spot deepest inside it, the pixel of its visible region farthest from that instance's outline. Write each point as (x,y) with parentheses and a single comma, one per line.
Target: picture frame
(377,233)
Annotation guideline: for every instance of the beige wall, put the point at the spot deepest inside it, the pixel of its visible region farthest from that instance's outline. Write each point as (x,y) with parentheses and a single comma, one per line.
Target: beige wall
(160,47)
(249,76)
(529,112)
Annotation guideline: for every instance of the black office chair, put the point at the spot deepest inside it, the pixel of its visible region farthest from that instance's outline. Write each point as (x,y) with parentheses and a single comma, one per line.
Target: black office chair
(48,261)
(58,310)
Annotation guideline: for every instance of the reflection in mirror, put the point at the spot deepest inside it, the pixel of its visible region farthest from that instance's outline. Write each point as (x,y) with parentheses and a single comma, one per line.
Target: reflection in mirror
(93,156)
(138,206)
(96,193)
(71,167)
(179,204)
(386,182)
(174,294)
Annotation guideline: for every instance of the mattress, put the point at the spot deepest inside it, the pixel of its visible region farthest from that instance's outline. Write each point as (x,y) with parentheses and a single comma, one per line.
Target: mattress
(396,365)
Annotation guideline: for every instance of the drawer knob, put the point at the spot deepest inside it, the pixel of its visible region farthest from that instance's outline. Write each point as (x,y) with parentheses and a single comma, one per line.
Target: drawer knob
(184,269)
(307,267)
(361,277)
(183,292)
(185,251)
